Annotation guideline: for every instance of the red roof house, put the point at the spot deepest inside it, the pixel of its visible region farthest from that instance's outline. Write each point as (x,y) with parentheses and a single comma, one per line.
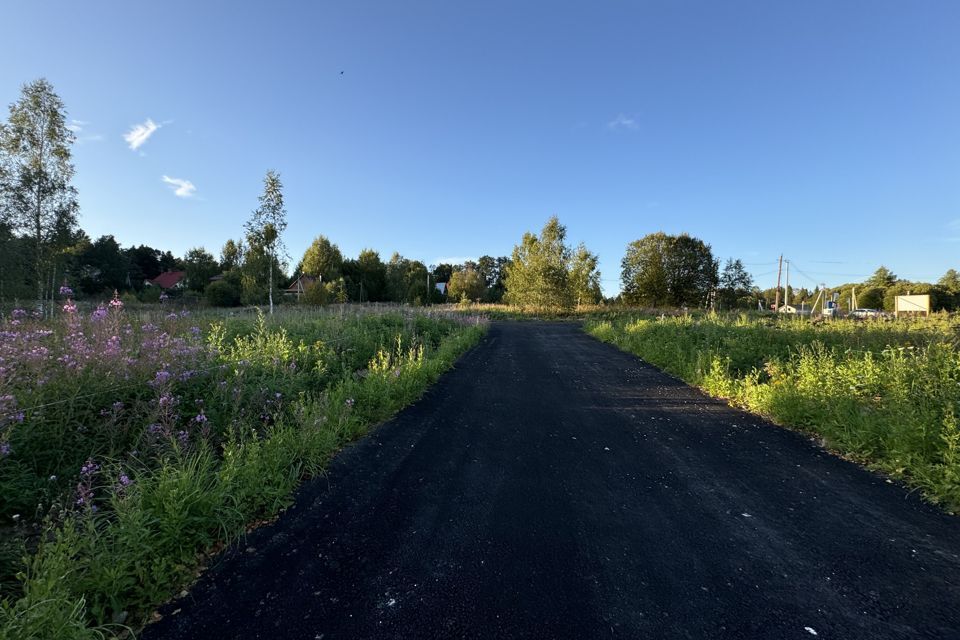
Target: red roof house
(169,280)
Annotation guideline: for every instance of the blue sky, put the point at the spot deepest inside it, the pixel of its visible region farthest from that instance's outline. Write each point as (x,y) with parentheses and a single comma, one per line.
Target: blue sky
(826,130)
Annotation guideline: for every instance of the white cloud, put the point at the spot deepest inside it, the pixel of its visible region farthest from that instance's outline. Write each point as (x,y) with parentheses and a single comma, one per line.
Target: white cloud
(623,123)
(453,260)
(140,133)
(77,125)
(183,188)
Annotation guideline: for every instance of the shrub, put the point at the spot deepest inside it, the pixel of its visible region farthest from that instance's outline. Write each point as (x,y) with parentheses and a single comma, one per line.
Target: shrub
(222,293)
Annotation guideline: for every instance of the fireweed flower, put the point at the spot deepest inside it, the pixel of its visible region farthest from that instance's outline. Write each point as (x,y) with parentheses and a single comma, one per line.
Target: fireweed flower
(116,303)
(85,486)
(70,306)
(99,313)
(123,482)
(4,449)
(65,290)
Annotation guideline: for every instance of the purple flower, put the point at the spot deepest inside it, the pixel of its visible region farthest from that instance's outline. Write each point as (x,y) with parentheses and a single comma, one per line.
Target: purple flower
(18,314)
(70,306)
(65,290)
(200,418)
(4,449)
(89,468)
(349,402)
(99,313)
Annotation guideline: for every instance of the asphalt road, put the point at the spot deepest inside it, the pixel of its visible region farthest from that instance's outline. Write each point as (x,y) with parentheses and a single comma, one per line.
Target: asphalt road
(551,486)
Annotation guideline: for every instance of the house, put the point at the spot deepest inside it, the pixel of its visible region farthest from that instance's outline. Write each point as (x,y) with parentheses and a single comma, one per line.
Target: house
(300,285)
(169,280)
(802,310)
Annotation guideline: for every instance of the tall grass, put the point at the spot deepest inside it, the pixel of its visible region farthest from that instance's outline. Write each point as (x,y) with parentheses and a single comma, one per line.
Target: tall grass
(133,446)
(886,394)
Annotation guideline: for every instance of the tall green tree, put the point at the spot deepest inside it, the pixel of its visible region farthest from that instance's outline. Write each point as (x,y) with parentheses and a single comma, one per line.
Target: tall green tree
(372,274)
(231,255)
(100,266)
(541,269)
(661,269)
(322,259)
(644,273)
(38,198)
(584,277)
(266,226)
(735,285)
(199,265)
(881,279)
(466,284)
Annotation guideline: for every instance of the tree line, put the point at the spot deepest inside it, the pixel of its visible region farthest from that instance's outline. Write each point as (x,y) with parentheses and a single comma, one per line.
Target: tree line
(43,247)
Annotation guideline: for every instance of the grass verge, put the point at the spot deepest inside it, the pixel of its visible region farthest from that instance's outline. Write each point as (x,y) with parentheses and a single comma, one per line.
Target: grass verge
(884,394)
(148,508)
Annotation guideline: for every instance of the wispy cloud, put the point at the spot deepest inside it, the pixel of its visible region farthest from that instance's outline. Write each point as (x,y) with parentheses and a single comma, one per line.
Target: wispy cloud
(623,123)
(182,188)
(77,127)
(453,260)
(140,133)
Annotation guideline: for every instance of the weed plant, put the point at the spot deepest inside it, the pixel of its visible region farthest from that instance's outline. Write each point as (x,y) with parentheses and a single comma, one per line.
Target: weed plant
(133,444)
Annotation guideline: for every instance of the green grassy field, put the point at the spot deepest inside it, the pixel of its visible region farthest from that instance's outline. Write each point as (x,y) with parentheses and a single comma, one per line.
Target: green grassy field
(135,443)
(884,393)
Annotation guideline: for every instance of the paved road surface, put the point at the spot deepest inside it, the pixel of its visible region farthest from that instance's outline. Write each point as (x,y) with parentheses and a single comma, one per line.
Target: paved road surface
(553,487)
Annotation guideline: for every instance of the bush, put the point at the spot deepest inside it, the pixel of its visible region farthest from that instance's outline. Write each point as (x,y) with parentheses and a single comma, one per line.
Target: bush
(149,294)
(316,294)
(222,294)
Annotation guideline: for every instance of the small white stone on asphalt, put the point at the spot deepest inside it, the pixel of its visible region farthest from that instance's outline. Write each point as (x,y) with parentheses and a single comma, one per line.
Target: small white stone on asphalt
(811,631)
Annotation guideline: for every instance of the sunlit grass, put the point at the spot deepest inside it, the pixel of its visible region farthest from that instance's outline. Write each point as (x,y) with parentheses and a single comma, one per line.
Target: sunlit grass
(885,393)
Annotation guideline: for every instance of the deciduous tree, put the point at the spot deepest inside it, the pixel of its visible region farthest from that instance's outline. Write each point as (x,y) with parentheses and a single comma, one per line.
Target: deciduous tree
(38,198)
(661,269)
(266,226)
(322,259)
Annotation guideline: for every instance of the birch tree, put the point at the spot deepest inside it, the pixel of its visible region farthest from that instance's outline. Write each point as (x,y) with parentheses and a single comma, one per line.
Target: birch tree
(267,224)
(35,172)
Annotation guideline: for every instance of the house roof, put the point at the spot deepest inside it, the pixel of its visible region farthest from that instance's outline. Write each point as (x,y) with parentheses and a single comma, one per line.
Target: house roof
(169,279)
(300,284)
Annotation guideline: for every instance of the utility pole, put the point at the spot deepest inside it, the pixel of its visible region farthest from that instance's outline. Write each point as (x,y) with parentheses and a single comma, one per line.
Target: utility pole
(776,305)
(786,289)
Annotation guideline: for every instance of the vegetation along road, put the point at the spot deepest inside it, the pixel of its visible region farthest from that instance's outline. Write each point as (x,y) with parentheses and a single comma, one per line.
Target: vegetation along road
(552,486)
